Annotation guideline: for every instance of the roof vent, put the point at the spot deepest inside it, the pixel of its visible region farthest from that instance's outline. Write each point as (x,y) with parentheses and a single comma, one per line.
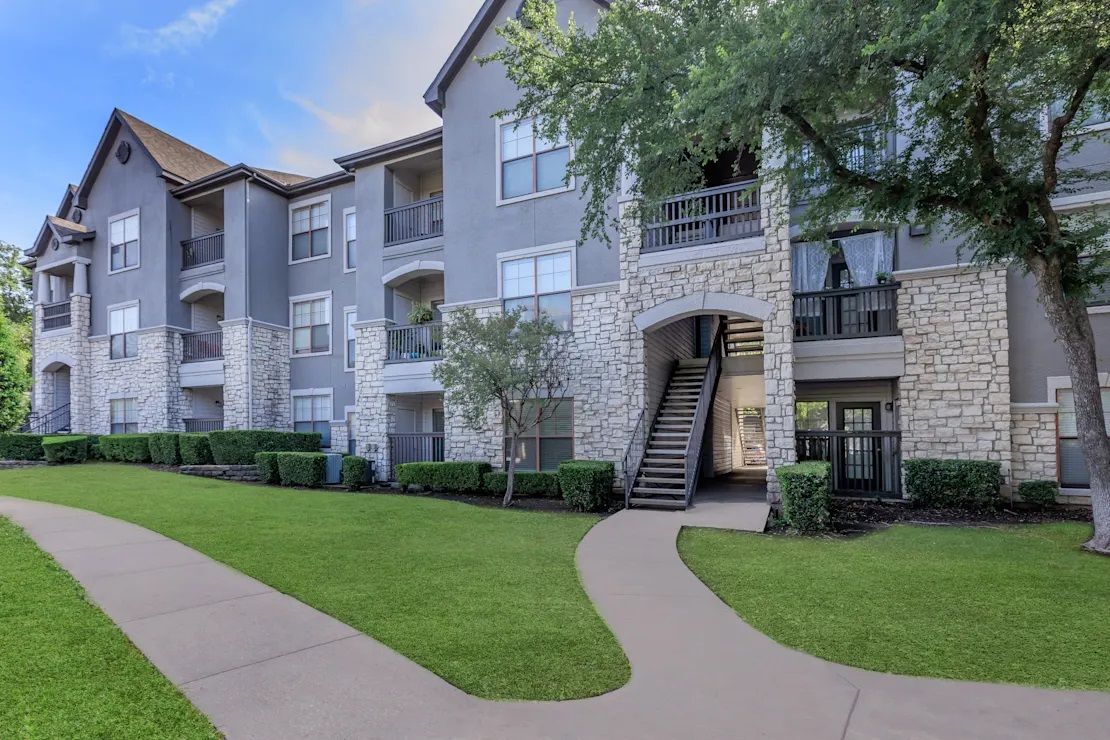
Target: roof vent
(123,152)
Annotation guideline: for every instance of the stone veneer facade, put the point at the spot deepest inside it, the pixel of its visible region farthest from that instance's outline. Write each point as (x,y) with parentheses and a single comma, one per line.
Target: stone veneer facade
(373,415)
(151,378)
(69,347)
(266,348)
(1033,444)
(954,397)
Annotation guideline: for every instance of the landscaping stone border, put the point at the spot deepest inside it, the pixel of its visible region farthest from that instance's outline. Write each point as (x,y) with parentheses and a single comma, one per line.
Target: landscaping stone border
(242,473)
(14,464)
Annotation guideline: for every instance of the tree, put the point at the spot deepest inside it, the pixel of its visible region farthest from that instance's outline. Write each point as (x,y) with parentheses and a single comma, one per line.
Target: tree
(506,363)
(983,96)
(14,377)
(15,295)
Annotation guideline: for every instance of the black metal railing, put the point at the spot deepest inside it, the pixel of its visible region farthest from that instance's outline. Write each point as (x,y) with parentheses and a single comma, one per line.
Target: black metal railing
(55,315)
(852,312)
(701,412)
(863,463)
(202,345)
(51,422)
(413,221)
(203,250)
(415,343)
(406,448)
(634,453)
(704,217)
(204,425)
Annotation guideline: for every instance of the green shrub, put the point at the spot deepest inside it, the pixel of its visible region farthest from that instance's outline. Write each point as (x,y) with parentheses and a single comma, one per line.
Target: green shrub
(356,472)
(1039,493)
(165,449)
(239,446)
(457,477)
(130,448)
(806,493)
(267,464)
(21,446)
(302,468)
(525,483)
(94,447)
(70,448)
(586,484)
(194,448)
(964,484)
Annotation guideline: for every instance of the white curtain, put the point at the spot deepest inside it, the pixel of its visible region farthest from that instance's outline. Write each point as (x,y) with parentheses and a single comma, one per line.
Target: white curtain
(867,255)
(809,266)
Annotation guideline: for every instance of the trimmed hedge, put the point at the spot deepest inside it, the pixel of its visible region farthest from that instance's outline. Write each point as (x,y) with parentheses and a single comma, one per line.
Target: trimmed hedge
(194,448)
(586,484)
(463,477)
(525,483)
(164,448)
(964,484)
(239,446)
(302,468)
(806,494)
(356,472)
(1039,493)
(267,464)
(131,448)
(94,447)
(70,448)
(15,446)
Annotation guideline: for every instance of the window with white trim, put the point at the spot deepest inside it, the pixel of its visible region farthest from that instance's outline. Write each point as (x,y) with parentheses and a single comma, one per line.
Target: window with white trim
(124,415)
(1073,472)
(313,414)
(123,325)
(350,240)
(539,285)
(547,444)
(350,316)
(529,163)
(312,326)
(310,231)
(124,242)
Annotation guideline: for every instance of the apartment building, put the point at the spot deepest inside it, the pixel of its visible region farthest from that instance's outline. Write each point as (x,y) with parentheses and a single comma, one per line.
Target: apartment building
(176,291)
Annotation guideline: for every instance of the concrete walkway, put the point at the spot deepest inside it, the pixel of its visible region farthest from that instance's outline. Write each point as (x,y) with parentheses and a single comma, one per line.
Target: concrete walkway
(263,665)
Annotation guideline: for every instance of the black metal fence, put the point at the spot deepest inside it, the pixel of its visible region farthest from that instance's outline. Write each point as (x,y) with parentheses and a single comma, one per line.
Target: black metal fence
(413,221)
(406,448)
(202,345)
(203,250)
(704,217)
(863,463)
(854,312)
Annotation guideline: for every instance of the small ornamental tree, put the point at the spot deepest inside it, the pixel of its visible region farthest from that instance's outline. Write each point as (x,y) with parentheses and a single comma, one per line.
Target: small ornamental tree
(986,99)
(14,378)
(504,364)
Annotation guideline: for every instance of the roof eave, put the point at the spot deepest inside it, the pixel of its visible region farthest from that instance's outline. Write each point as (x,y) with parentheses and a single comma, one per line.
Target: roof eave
(391,150)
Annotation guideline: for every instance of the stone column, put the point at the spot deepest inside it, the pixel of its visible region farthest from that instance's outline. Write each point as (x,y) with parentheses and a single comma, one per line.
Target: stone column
(373,417)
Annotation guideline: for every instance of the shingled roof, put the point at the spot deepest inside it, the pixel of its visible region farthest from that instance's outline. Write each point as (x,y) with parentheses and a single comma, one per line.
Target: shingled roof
(173,155)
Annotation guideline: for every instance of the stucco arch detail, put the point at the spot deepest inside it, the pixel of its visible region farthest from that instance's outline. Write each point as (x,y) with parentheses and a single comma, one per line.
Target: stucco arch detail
(732,304)
(411,270)
(196,291)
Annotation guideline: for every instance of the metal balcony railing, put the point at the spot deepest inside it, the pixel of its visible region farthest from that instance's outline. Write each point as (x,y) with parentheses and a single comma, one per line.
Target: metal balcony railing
(202,345)
(863,463)
(204,425)
(415,343)
(848,313)
(419,220)
(203,250)
(705,216)
(55,315)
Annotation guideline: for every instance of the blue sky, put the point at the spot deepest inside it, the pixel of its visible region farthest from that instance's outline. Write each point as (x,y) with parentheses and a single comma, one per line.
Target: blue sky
(286,85)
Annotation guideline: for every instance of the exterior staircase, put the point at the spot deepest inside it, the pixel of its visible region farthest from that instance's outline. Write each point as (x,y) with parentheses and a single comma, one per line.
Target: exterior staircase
(743,337)
(661,479)
(54,422)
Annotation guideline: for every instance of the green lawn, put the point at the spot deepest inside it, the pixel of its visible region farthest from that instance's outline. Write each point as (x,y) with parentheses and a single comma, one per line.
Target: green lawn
(1018,604)
(488,599)
(65,669)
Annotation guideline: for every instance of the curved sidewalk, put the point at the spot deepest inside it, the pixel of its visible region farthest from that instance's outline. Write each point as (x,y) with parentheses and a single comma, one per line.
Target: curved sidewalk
(263,665)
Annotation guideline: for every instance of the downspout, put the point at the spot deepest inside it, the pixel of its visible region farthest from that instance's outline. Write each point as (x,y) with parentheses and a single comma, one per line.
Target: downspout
(247,299)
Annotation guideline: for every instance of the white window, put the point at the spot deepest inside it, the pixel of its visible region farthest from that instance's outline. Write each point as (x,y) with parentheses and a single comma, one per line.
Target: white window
(311,324)
(310,232)
(124,415)
(529,163)
(350,240)
(1071,464)
(312,413)
(123,323)
(350,316)
(539,285)
(125,242)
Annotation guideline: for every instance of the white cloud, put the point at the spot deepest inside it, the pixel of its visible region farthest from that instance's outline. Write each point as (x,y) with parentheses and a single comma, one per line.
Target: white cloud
(196,25)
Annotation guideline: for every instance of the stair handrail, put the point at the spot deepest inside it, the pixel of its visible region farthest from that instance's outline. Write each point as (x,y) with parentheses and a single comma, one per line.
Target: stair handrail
(47,423)
(633,458)
(701,412)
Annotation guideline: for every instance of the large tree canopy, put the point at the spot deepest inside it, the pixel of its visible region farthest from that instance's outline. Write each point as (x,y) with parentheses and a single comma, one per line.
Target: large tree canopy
(984,99)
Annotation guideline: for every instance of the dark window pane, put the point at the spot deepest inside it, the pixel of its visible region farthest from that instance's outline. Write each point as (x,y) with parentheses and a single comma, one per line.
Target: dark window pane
(524,453)
(117,428)
(131,345)
(320,338)
(516,178)
(560,423)
(300,246)
(350,353)
(551,169)
(1073,468)
(557,308)
(352,255)
(528,304)
(319,242)
(302,426)
(117,346)
(324,428)
(131,254)
(555,451)
(117,256)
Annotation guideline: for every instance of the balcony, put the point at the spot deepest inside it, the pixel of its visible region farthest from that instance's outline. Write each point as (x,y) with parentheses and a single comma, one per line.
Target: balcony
(846,314)
(420,220)
(204,425)
(55,315)
(202,250)
(717,214)
(863,463)
(416,343)
(406,448)
(202,346)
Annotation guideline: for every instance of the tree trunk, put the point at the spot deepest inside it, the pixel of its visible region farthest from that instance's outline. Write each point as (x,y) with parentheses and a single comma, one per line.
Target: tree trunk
(508,500)
(1069,319)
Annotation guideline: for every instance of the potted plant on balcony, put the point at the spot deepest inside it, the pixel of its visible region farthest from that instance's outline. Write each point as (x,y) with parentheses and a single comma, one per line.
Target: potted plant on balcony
(882,277)
(420,314)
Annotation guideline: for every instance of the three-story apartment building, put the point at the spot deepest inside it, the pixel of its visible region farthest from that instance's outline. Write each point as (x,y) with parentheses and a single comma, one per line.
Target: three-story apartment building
(175,291)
